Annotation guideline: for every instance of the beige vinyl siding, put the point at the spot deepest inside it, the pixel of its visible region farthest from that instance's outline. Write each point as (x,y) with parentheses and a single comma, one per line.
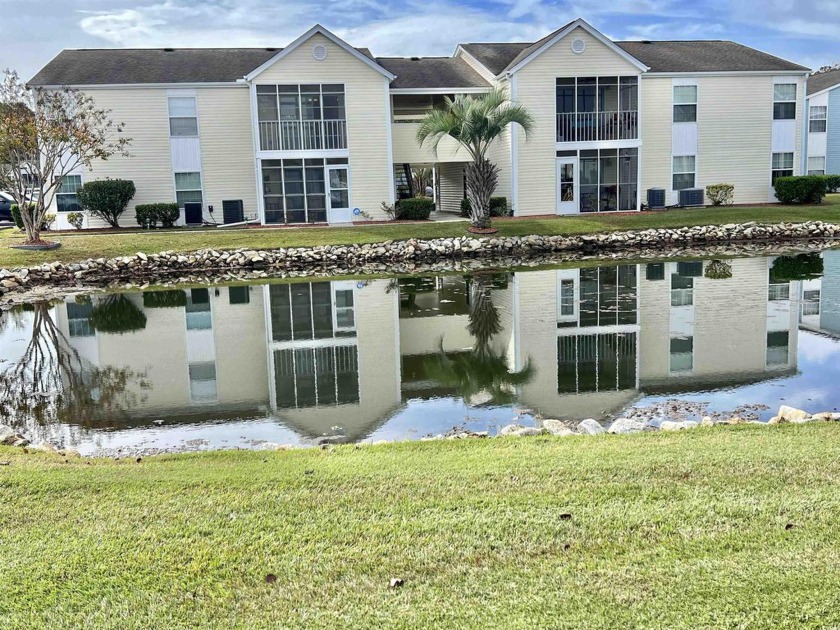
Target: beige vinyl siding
(535,88)
(227,148)
(368,116)
(655,131)
(451,187)
(407,149)
(734,133)
(145,116)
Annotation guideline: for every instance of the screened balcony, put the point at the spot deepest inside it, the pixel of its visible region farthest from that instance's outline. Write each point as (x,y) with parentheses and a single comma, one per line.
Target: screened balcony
(301,117)
(591,109)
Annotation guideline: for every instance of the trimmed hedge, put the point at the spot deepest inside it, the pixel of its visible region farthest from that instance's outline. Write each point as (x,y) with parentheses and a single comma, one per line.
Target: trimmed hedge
(498,207)
(832,183)
(106,198)
(800,189)
(148,215)
(164,299)
(415,208)
(720,194)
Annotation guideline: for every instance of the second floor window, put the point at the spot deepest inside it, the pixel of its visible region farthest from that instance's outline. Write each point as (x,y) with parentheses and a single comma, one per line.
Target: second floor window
(818,118)
(784,101)
(300,102)
(183,119)
(685,103)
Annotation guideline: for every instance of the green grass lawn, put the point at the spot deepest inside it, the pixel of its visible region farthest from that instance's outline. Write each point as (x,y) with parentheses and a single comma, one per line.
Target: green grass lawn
(85,245)
(714,528)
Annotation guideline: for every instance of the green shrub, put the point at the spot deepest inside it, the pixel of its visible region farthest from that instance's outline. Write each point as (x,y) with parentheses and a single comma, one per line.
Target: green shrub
(148,215)
(718,270)
(801,189)
(832,183)
(799,267)
(498,207)
(164,299)
(76,219)
(117,315)
(46,222)
(415,208)
(106,198)
(720,194)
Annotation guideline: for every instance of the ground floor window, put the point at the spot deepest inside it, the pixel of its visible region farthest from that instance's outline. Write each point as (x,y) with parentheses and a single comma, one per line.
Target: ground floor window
(816,165)
(778,344)
(188,188)
(684,171)
(681,355)
(596,363)
(295,191)
(608,179)
(782,166)
(65,198)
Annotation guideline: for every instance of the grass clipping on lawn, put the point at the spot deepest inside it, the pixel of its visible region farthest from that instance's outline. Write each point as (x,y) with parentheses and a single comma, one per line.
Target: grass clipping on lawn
(718,527)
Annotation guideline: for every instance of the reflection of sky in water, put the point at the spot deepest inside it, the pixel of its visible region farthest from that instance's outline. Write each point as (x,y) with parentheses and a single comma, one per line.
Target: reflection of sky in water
(815,387)
(407,322)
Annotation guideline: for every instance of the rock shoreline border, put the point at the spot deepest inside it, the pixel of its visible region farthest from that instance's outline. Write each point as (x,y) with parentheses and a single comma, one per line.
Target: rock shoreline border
(411,256)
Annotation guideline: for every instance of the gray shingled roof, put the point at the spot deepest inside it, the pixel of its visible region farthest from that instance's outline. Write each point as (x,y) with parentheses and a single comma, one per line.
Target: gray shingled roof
(109,66)
(705,56)
(431,72)
(823,80)
(661,56)
(495,56)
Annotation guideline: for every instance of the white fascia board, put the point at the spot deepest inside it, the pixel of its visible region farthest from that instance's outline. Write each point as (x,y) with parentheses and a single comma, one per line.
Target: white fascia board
(140,86)
(823,91)
(319,30)
(452,90)
(484,70)
(589,29)
(727,73)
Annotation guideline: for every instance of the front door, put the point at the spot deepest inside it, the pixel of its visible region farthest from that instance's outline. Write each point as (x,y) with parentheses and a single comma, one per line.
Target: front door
(567,185)
(338,180)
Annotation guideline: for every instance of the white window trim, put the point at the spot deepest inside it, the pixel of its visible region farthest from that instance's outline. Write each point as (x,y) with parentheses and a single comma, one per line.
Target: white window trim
(58,194)
(823,117)
(674,172)
(200,189)
(794,100)
(169,97)
(674,103)
(815,171)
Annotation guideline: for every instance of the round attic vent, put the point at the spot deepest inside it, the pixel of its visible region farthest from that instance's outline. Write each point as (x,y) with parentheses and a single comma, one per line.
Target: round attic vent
(319,52)
(578,46)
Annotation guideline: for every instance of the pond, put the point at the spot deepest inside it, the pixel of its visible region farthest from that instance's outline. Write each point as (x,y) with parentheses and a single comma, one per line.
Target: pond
(345,360)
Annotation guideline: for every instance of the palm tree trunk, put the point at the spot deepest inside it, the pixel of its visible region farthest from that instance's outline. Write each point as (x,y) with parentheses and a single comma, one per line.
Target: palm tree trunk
(482,178)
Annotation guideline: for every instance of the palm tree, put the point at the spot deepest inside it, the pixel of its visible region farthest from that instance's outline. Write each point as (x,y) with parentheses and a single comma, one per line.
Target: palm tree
(474,123)
(482,371)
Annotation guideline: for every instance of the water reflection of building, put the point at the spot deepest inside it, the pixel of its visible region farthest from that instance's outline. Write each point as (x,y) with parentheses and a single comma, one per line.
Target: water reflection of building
(820,299)
(317,355)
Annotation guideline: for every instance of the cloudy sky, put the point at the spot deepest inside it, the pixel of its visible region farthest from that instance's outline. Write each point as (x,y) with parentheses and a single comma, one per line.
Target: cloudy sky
(33,31)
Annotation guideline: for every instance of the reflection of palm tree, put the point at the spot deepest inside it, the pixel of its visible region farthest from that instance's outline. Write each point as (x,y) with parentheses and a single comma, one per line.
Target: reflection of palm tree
(53,383)
(482,370)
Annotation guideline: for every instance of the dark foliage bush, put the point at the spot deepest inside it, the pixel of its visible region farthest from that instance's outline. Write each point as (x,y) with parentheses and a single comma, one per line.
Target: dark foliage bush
(164,299)
(18,220)
(148,215)
(117,315)
(801,189)
(106,198)
(498,207)
(832,183)
(415,208)
(800,267)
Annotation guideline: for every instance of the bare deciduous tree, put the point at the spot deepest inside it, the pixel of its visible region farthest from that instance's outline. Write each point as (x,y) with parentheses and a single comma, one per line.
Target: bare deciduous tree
(46,135)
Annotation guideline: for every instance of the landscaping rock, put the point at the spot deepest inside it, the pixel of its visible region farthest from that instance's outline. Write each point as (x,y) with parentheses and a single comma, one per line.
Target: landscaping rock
(626,425)
(826,416)
(707,422)
(517,430)
(10,437)
(557,427)
(45,447)
(670,425)
(590,427)
(791,414)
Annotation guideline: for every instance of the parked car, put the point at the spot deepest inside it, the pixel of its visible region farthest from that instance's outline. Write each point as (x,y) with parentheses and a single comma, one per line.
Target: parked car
(6,202)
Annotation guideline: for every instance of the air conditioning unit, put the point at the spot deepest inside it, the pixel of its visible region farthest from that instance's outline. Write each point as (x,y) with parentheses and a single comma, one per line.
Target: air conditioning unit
(232,211)
(691,197)
(656,197)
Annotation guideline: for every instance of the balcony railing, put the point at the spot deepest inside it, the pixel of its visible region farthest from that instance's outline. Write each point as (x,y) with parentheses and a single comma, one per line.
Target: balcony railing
(303,135)
(594,126)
